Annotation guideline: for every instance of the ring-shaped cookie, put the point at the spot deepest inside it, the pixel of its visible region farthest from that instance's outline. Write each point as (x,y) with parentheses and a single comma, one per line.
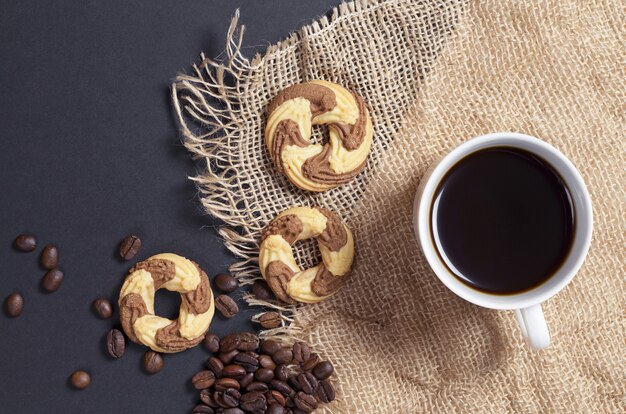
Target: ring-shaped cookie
(279,268)
(136,301)
(317,167)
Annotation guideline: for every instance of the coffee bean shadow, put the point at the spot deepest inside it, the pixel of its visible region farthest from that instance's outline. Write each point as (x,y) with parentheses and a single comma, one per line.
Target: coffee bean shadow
(466,340)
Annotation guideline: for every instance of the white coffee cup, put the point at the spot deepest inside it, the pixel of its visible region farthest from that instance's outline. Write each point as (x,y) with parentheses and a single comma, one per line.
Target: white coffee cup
(527,305)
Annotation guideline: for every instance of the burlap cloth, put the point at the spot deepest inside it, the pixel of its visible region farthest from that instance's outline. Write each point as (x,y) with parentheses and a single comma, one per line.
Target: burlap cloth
(434,75)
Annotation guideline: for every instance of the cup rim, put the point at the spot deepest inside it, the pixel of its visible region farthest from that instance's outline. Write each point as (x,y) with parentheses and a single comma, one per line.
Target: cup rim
(582,236)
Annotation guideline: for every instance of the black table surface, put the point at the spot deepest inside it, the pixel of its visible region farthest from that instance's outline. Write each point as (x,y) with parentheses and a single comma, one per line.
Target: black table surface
(89,153)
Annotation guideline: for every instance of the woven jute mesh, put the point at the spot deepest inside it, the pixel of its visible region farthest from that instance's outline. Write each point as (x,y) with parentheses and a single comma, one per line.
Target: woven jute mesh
(434,74)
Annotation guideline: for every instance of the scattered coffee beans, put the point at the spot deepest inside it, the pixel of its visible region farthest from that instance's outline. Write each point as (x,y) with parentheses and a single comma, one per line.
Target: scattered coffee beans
(203,380)
(130,247)
(116,344)
(226,306)
(52,280)
(261,290)
(50,256)
(152,362)
(80,380)
(26,242)
(243,377)
(103,308)
(270,320)
(226,283)
(211,343)
(14,304)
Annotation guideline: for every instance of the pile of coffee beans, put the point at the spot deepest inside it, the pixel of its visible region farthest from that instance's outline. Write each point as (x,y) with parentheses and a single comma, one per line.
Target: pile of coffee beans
(246,375)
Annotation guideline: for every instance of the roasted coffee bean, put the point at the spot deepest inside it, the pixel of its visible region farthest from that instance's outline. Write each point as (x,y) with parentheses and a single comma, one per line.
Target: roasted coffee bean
(275,397)
(14,304)
(227,357)
(233,371)
(284,356)
(233,410)
(246,380)
(261,290)
(305,402)
(289,402)
(282,372)
(248,342)
(214,364)
(202,409)
(226,283)
(226,306)
(270,320)
(203,380)
(116,344)
(52,280)
(264,375)
(230,397)
(230,342)
(266,361)
(211,343)
(275,409)
(325,391)
(307,382)
(293,383)
(252,401)
(206,396)
(257,386)
(130,247)
(253,354)
(50,256)
(223,384)
(296,410)
(102,307)
(248,362)
(301,352)
(313,360)
(26,242)
(282,387)
(80,380)
(152,362)
(270,347)
(323,370)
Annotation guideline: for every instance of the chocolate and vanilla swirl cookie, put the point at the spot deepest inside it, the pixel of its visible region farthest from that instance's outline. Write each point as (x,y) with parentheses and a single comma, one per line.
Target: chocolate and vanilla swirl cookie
(177,274)
(279,268)
(317,167)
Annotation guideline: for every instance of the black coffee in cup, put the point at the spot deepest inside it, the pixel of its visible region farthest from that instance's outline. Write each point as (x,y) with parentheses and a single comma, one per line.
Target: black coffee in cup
(502,220)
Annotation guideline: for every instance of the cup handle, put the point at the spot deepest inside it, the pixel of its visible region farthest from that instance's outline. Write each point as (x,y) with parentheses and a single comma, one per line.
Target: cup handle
(534,327)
